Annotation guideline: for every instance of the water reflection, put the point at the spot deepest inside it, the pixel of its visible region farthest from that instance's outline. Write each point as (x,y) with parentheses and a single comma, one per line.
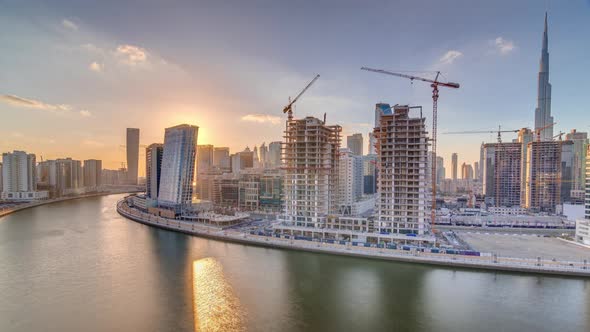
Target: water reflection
(216,307)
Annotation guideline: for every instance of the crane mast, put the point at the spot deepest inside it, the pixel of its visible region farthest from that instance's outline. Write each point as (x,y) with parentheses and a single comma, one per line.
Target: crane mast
(434,84)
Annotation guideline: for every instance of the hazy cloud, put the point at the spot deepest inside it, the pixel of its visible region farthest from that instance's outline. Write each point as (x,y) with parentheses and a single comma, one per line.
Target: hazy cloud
(131,55)
(31,103)
(504,46)
(450,57)
(39,105)
(96,67)
(262,118)
(69,24)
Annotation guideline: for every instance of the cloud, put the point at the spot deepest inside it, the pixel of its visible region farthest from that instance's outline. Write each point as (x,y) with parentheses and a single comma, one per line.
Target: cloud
(131,55)
(262,118)
(34,104)
(504,46)
(69,24)
(450,57)
(96,67)
(39,105)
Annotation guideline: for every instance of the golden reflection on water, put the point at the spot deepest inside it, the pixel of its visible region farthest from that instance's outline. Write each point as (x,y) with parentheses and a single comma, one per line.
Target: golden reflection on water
(215,306)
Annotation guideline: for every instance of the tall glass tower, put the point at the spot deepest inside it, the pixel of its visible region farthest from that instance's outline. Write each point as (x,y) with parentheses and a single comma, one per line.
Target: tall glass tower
(178,166)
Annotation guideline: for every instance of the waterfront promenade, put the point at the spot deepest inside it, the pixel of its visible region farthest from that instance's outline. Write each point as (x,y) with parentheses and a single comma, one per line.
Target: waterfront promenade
(487,262)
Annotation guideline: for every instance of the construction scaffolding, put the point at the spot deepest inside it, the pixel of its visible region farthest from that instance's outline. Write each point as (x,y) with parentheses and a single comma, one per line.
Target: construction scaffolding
(544,175)
(310,154)
(503,173)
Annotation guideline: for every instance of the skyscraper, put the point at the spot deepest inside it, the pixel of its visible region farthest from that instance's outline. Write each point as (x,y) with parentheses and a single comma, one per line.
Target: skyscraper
(354,143)
(178,166)
(543,116)
(92,173)
(402,148)
(132,154)
(153,169)
(454,166)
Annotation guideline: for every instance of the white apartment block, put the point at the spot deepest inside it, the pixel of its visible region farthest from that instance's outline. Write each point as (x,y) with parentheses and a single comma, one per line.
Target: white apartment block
(350,180)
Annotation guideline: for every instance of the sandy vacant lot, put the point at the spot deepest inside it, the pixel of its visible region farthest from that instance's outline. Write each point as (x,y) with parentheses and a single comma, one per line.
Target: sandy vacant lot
(526,246)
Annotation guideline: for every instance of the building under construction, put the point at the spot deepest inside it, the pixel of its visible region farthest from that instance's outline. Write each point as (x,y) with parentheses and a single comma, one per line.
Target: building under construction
(310,157)
(402,189)
(549,174)
(502,173)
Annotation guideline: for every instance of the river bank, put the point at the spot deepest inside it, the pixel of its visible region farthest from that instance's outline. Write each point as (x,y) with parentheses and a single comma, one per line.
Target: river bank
(24,206)
(492,262)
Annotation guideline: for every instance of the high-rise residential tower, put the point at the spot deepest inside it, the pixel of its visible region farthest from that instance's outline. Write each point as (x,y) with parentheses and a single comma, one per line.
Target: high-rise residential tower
(580,140)
(350,180)
(543,116)
(178,166)
(454,165)
(18,172)
(402,193)
(548,174)
(92,173)
(153,169)
(132,154)
(310,160)
(502,178)
(19,180)
(466,172)
(354,143)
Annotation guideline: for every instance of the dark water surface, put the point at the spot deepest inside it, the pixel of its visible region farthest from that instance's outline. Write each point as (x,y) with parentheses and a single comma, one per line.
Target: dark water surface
(79,266)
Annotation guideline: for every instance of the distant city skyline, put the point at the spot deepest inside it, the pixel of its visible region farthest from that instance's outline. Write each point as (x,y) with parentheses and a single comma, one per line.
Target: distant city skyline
(74,79)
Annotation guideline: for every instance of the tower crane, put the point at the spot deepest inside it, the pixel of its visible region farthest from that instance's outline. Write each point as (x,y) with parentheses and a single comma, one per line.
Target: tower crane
(289,108)
(539,130)
(499,132)
(434,84)
(560,135)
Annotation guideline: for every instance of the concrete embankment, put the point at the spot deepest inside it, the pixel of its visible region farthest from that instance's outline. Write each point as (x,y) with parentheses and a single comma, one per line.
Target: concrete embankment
(24,206)
(575,269)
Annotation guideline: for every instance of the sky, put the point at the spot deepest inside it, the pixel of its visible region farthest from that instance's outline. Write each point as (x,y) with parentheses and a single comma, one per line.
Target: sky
(74,74)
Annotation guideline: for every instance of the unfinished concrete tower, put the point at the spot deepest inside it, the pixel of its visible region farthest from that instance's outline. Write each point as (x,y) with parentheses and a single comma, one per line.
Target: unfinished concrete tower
(402,189)
(310,158)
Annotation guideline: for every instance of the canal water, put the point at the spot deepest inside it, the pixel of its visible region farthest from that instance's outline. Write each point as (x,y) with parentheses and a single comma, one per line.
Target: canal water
(79,266)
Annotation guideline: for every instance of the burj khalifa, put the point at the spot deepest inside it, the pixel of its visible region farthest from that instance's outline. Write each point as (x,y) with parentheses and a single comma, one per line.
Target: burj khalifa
(543,117)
